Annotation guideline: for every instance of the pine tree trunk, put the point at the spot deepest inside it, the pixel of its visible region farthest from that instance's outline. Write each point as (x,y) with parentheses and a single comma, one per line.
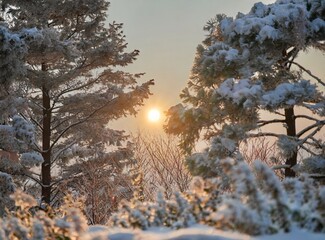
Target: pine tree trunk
(46,141)
(291,131)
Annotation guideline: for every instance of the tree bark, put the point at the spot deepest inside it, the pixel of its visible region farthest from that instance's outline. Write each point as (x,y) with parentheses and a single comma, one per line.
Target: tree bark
(291,131)
(46,141)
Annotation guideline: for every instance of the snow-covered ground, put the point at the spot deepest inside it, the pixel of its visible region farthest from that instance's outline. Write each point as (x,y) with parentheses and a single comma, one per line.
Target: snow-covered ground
(193,233)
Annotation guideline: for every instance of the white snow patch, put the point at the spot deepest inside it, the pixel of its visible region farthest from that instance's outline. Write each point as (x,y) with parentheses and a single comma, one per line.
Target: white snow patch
(195,232)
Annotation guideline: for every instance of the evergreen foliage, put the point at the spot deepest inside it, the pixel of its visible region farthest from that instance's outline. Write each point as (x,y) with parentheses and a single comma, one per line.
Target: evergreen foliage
(29,222)
(247,66)
(75,85)
(256,203)
(17,134)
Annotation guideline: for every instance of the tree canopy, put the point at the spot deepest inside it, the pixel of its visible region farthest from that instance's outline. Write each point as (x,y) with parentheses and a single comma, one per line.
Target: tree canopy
(17,134)
(247,66)
(75,85)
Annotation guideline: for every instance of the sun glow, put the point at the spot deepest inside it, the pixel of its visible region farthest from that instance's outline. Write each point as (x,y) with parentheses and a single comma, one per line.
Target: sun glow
(154,115)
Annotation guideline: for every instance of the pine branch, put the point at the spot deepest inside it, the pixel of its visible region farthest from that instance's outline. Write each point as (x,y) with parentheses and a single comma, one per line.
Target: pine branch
(61,151)
(315,144)
(282,166)
(318,125)
(33,178)
(37,123)
(307,117)
(263,123)
(80,122)
(309,73)
(64,121)
(308,150)
(317,176)
(278,113)
(262,134)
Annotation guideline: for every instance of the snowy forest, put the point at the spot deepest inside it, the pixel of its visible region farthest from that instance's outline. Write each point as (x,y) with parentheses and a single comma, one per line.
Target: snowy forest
(66,174)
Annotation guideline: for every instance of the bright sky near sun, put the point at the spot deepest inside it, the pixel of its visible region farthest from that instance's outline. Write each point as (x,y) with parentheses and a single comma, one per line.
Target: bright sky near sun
(167,33)
(154,115)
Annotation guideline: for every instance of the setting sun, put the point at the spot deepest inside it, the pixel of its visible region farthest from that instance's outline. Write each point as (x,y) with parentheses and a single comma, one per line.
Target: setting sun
(154,115)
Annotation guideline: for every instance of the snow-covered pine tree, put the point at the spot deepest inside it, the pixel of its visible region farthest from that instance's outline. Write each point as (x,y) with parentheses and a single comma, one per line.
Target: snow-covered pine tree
(17,140)
(248,65)
(75,83)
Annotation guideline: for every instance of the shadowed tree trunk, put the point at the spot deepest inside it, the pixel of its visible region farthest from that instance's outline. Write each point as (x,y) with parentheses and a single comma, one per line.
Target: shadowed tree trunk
(46,141)
(291,131)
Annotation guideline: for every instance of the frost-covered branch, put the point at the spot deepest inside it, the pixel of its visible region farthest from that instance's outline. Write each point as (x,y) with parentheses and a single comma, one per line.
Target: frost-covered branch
(318,125)
(262,123)
(263,134)
(36,123)
(62,122)
(80,122)
(33,178)
(57,154)
(309,73)
(282,166)
(307,149)
(278,113)
(302,141)
(76,88)
(307,117)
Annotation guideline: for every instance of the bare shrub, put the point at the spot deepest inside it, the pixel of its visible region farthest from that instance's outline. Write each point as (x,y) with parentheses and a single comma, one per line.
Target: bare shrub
(102,183)
(160,164)
(265,150)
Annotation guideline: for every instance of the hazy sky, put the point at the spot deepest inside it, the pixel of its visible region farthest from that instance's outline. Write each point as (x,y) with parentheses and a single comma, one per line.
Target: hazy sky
(167,32)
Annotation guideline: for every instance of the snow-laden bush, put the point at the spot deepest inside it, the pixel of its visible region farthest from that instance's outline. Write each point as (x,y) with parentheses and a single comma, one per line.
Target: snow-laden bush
(7,187)
(255,203)
(30,222)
